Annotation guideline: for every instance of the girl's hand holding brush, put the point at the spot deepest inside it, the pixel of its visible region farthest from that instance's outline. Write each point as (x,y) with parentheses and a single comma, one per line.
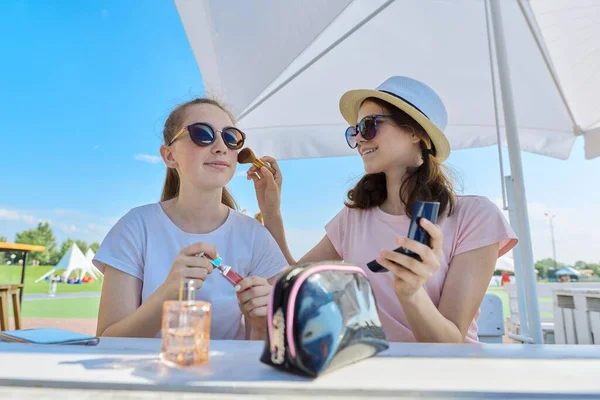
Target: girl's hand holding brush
(247,156)
(267,182)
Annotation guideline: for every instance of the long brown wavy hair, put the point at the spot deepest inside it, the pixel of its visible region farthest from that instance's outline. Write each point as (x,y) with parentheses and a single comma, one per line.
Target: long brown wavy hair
(172,125)
(428,182)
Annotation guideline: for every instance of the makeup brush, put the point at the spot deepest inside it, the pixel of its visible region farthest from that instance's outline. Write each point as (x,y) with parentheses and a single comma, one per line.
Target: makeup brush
(247,156)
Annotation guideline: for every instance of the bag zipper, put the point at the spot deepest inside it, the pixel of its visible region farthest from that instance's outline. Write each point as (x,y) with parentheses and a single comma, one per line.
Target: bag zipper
(276,318)
(278,341)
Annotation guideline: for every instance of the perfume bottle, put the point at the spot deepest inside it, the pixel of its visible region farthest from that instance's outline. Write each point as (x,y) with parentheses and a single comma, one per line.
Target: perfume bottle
(188,288)
(185,328)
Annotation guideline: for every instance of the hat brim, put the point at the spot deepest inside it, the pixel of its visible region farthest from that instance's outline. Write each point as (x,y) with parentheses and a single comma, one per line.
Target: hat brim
(351,101)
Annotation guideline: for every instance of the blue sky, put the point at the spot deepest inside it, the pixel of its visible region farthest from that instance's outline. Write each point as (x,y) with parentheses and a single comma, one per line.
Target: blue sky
(86,86)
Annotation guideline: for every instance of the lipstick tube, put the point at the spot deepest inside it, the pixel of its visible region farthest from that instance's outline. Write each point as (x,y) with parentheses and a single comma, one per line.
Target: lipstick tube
(228,273)
(233,277)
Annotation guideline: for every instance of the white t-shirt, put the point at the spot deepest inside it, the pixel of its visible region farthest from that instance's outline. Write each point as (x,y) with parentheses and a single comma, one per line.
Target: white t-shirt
(145,242)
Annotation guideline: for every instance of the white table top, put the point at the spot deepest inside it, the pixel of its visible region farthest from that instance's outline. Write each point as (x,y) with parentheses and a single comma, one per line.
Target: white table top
(234,371)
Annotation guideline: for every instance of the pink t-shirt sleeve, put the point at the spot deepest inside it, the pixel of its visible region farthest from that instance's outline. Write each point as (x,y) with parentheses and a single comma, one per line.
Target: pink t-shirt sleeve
(482,224)
(335,230)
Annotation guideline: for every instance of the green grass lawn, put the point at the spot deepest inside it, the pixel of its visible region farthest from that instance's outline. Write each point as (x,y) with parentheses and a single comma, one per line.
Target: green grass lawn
(51,307)
(88,307)
(12,274)
(506,306)
(60,308)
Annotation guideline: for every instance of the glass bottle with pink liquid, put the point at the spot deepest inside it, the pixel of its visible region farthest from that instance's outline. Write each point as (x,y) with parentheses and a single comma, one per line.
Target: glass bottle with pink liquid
(185,328)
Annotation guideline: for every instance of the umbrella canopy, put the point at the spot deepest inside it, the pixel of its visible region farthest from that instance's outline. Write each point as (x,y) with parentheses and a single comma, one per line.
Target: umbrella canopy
(282,67)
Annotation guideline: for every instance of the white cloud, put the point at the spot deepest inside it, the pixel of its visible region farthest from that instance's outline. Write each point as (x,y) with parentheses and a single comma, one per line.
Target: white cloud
(96,229)
(9,215)
(29,219)
(93,227)
(77,224)
(68,228)
(14,215)
(148,158)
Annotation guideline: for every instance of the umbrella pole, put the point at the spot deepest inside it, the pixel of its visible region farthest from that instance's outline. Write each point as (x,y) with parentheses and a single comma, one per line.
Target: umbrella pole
(519,274)
(514,152)
(508,197)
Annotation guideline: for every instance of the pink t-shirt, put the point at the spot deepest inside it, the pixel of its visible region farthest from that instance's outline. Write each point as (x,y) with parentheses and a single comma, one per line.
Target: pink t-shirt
(359,235)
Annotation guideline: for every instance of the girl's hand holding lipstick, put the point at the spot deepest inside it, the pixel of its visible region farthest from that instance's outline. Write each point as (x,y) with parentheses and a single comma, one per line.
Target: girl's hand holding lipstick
(188,265)
(252,293)
(253,296)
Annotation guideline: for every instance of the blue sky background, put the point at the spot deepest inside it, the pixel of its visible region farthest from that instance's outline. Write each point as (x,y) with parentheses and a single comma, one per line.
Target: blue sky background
(86,86)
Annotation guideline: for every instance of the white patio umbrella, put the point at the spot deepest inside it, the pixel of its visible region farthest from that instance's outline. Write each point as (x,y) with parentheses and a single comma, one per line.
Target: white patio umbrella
(535,70)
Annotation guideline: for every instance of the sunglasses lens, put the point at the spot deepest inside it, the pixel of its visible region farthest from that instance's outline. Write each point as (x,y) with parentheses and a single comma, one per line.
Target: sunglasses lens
(351,137)
(368,127)
(233,138)
(201,134)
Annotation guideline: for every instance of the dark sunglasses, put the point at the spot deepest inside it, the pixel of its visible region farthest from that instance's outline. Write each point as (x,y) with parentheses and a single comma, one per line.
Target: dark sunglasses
(203,134)
(367,128)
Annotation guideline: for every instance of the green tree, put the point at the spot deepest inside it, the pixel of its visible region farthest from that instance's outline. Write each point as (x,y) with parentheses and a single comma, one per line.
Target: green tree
(581,265)
(95,246)
(2,253)
(83,246)
(595,268)
(545,265)
(550,263)
(42,235)
(66,245)
(542,270)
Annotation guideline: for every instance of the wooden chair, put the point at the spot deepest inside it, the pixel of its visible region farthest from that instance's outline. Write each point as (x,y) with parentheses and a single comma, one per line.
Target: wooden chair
(7,291)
